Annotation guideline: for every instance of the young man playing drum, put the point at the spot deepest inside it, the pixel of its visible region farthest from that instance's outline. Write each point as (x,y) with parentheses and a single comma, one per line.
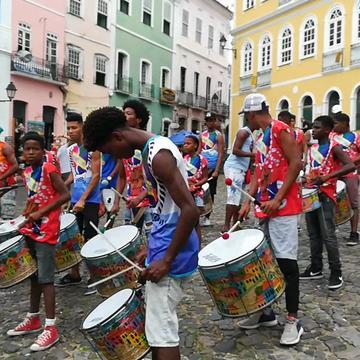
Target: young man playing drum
(350,143)
(320,223)
(277,165)
(46,194)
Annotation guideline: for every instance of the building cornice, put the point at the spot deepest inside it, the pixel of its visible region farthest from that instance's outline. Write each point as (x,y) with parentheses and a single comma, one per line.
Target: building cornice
(45,8)
(87,38)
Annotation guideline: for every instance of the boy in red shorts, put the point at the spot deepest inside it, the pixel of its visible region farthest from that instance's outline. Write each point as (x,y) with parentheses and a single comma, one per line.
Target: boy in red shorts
(46,194)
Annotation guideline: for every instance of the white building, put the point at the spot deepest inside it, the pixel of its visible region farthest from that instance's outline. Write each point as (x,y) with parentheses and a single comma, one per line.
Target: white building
(201,68)
(5,58)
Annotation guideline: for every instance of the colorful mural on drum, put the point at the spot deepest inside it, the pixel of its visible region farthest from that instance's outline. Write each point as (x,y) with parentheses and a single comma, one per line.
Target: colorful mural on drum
(246,285)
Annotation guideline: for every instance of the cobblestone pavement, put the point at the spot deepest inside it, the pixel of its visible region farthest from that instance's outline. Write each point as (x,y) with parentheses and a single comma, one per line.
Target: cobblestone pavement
(331,319)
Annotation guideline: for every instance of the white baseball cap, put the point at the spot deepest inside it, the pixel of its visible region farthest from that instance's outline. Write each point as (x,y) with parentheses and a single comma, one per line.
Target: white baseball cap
(254,102)
(336,109)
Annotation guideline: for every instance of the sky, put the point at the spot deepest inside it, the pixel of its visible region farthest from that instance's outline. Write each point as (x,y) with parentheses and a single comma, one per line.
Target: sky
(229,3)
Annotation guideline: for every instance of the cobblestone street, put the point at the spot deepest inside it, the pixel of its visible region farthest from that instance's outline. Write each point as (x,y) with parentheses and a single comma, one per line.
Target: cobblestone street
(331,319)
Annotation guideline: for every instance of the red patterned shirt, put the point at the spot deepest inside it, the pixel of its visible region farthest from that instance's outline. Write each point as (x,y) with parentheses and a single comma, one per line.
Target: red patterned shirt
(195,167)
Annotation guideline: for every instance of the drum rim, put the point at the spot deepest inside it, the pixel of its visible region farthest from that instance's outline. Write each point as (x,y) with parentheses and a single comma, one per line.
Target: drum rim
(71,224)
(90,329)
(15,229)
(238,258)
(4,249)
(315,190)
(113,251)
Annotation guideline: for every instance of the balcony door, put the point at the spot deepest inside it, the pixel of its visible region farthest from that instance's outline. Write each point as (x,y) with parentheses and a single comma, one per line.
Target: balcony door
(48,118)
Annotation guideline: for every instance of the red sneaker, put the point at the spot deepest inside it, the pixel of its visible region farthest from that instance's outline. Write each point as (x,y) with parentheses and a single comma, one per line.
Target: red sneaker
(46,339)
(28,326)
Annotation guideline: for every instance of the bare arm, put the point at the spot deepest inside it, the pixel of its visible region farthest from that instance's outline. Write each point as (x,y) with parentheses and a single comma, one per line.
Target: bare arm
(9,153)
(221,147)
(241,137)
(348,165)
(70,179)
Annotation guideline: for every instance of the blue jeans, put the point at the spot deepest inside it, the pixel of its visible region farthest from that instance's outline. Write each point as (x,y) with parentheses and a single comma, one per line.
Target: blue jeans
(321,228)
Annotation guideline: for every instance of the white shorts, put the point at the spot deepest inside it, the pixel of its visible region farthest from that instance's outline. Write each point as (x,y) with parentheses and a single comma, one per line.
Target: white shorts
(161,322)
(238,178)
(283,233)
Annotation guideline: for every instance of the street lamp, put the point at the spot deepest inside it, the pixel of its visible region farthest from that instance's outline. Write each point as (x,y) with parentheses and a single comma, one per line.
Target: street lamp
(10,92)
(223,43)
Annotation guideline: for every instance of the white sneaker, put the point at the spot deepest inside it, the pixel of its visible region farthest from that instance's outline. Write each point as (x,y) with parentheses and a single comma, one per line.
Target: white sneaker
(259,319)
(292,332)
(206,222)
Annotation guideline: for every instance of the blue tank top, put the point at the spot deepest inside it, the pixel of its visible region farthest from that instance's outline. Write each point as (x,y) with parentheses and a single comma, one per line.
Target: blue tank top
(108,164)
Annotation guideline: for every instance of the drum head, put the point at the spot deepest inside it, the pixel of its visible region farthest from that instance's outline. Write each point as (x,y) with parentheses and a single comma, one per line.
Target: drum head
(205,186)
(11,225)
(66,220)
(340,186)
(6,244)
(119,237)
(107,309)
(221,251)
(306,192)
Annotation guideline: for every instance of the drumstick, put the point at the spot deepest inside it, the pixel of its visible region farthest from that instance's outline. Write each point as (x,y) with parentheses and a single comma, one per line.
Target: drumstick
(112,217)
(209,179)
(120,195)
(229,182)
(226,235)
(109,277)
(114,247)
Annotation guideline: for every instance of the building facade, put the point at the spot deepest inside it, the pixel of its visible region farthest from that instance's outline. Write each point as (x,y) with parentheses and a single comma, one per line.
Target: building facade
(201,67)
(303,55)
(5,60)
(142,58)
(88,41)
(37,67)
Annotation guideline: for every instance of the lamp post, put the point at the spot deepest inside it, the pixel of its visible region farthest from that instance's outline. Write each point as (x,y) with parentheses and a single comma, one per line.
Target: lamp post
(10,92)
(223,43)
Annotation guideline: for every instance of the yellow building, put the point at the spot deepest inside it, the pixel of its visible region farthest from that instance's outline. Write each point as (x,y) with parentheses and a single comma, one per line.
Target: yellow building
(303,55)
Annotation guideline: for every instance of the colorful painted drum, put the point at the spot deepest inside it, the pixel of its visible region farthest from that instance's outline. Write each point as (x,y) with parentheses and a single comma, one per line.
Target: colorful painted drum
(10,228)
(310,200)
(68,248)
(208,205)
(16,262)
(103,261)
(343,207)
(117,327)
(241,273)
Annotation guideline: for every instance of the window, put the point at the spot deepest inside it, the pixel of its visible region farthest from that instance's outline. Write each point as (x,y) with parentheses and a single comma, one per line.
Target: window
(147,12)
(211,37)
(51,48)
(248,4)
(196,84)
(357,22)
(247,59)
(307,111)
(265,53)
(219,90)
(335,30)
(125,6)
(165,78)
(100,70)
(145,72)
(308,38)
(285,47)
(102,13)
(185,23)
(208,89)
(198,30)
(221,50)
(122,65)
(74,58)
(167,16)
(333,99)
(182,79)
(24,37)
(284,105)
(75,7)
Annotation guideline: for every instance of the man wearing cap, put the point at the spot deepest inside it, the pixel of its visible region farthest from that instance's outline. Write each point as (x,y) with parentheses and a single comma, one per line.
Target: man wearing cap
(8,168)
(274,185)
(212,148)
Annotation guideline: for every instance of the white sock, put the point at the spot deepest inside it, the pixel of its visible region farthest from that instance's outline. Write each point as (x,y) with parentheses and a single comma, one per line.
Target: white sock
(50,322)
(30,315)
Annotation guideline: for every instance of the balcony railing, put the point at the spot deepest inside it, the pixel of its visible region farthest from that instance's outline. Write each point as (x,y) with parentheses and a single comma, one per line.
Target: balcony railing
(263,78)
(200,102)
(246,82)
(355,54)
(333,60)
(39,68)
(123,84)
(185,98)
(218,108)
(146,91)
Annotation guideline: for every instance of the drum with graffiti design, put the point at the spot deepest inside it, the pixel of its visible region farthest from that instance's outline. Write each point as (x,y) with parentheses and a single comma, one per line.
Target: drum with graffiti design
(343,208)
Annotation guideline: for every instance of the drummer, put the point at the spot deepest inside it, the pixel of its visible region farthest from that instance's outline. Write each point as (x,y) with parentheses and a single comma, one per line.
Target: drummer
(173,244)
(277,165)
(8,168)
(320,223)
(350,143)
(46,194)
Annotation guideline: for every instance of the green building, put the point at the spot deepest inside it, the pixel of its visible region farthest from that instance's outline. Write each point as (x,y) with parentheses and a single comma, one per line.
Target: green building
(143,58)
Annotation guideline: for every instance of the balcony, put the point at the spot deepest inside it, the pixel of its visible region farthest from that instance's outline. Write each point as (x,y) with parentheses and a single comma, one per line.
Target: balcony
(355,55)
(219,108)
(146,91)
(185,98)
(263,78)
(284,2)
(123,84)
(38,68)
(333,60)
(200,102)
(246,82)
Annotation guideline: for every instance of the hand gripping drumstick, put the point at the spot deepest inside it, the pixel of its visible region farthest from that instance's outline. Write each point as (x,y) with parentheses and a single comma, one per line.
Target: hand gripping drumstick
(114,247)
(110,277)
(229,182)
(118,194)
(226,235)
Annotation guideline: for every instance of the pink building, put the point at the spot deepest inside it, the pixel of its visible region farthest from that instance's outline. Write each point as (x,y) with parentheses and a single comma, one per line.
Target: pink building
(37,67)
